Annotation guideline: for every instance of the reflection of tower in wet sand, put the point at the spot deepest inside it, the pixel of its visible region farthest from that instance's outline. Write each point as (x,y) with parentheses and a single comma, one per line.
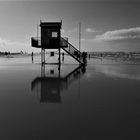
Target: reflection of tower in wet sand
(51,86)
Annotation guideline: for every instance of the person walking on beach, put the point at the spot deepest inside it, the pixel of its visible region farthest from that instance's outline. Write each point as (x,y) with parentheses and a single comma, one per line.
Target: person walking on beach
(32,55)
(89,56)
(63,56)
(84,56)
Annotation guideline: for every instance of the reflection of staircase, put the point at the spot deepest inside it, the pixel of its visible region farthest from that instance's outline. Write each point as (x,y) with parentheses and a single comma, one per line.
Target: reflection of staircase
(71,50)
(51,87)
(75,74)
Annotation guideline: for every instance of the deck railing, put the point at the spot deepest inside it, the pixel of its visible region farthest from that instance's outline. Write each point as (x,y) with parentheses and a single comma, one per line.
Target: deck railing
(36,42)
(71,50)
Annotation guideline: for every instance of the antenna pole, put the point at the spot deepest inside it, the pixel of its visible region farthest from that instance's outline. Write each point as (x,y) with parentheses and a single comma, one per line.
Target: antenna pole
(37,31)
(79,36)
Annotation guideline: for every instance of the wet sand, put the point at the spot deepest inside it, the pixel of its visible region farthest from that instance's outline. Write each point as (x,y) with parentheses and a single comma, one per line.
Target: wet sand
(99,102)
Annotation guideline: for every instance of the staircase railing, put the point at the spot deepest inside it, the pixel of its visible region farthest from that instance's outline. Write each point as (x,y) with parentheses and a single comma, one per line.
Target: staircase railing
(70,49)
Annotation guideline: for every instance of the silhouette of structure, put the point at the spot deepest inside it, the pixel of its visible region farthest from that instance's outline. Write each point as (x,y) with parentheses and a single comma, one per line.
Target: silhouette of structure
(51,86)
(51,39)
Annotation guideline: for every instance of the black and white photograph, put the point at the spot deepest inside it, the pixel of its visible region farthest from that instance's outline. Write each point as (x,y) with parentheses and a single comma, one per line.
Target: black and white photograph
(69,69)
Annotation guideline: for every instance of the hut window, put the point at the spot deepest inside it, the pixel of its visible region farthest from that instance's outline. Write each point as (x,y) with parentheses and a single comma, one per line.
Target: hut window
(51,71)
(52,54)
(54,34)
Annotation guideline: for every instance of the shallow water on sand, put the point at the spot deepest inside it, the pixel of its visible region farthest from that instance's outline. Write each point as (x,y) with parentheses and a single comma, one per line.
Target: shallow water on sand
(38,102)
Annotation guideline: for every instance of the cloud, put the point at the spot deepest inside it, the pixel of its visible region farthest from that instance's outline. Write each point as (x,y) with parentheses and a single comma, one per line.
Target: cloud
(5,42)
(89,30)
(122,34)
(69,31)
(8,45)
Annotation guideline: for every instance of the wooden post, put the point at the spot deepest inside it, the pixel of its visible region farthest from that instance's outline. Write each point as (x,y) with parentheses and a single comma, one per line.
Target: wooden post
(79,41)
(42,55)
(79,36)
(59,57)
(59,72)
(42,70)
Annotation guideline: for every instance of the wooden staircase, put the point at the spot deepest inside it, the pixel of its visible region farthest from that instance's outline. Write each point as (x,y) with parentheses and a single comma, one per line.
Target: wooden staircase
(71,50)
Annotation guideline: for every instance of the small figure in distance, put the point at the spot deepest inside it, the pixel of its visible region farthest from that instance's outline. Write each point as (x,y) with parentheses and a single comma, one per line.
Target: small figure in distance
(79,55)
(89,56)
(32,55)
(63,56)
(84,56)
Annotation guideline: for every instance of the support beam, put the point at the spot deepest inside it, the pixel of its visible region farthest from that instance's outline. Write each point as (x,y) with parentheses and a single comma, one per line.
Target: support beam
(42,55)
(42,70)
(59,57)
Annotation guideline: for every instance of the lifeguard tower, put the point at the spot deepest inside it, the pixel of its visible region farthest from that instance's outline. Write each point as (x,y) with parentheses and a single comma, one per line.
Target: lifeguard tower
(51,39)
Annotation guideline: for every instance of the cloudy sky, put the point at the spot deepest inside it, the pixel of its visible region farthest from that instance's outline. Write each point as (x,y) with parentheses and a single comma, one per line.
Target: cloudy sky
(107,25)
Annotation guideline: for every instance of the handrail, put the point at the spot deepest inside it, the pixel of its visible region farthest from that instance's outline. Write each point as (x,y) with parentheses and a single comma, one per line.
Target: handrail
(70,49)
(70,44)
(73,56)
